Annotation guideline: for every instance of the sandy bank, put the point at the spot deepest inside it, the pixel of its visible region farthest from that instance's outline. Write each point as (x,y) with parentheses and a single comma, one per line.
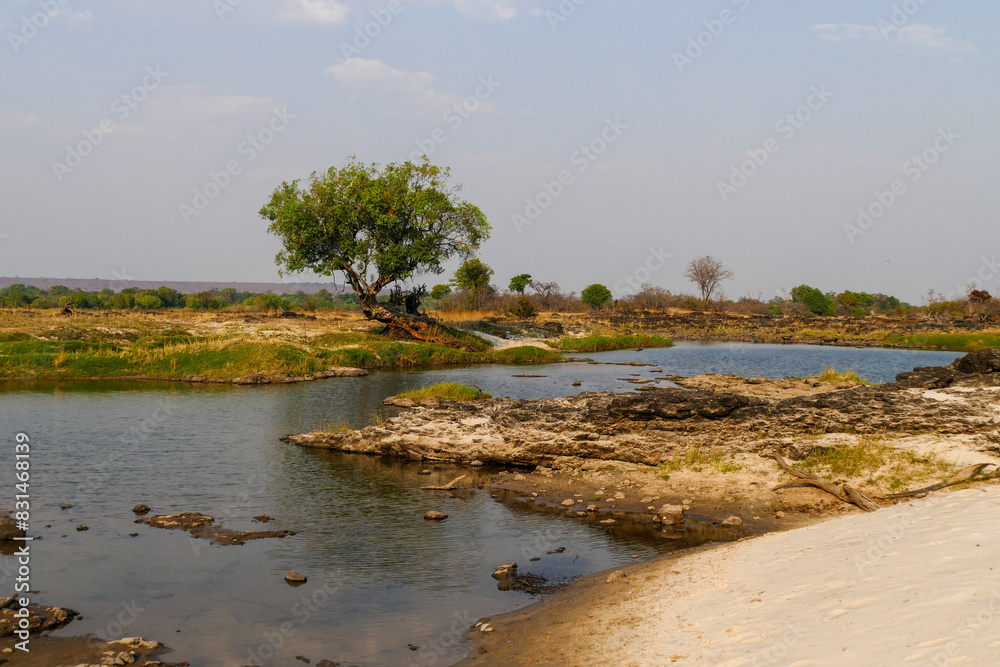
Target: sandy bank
(918,584)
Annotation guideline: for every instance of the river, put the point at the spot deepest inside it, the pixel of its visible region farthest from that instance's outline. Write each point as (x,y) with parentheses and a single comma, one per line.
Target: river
(380,577)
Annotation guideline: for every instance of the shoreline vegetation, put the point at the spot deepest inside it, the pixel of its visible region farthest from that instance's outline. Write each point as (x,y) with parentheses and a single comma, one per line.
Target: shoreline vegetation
(286,346)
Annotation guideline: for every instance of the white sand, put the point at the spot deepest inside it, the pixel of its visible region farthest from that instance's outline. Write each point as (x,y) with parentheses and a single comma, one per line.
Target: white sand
(917,584)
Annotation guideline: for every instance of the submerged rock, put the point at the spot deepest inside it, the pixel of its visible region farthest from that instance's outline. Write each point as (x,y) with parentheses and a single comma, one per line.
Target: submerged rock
(9,529)
(203,526)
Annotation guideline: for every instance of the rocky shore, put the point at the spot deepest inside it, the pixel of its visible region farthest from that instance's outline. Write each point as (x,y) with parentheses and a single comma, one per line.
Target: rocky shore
(654,426)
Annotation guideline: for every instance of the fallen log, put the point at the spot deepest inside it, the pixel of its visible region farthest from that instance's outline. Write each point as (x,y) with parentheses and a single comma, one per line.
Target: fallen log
(450,486)
(971,473)
(844,493)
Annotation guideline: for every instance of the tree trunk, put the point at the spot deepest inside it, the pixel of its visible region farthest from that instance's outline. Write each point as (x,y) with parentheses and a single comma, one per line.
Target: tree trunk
(419,327)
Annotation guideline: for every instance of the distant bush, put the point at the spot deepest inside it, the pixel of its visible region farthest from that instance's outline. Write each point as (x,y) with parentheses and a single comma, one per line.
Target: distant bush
(775,311)
(523,309)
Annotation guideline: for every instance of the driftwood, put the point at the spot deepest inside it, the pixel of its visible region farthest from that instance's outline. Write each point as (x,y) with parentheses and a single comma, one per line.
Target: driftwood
(844,493)
(972,473)
(849,494)
(450,486)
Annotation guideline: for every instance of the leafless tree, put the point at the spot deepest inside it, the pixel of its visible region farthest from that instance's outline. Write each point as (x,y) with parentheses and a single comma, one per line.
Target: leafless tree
(707,273)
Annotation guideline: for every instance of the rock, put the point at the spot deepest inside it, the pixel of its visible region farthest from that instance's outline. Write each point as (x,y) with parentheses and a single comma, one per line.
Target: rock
(435,516)
(295,578)
(424,472)
(619,496)
(65,506)
(608,522)
(9,529)
(253,378)
(569,502)
(732,521)
(646,500)
(475,463)
(577,383)
(133,534)
(518,477)
(83,527)
(779,515)
(591,508)
(139,642)
(670,515)
(615,577)
(262,518)
(141,509)
(505,575)
(204,526)
(686,501)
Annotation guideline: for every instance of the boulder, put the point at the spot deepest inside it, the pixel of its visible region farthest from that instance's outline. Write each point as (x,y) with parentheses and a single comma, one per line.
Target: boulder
(670,515)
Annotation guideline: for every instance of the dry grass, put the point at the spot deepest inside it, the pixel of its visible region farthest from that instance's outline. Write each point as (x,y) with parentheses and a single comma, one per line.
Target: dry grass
(876,462)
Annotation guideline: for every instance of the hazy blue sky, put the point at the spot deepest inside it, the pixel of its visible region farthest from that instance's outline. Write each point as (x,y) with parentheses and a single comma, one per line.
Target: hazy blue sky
(114,112)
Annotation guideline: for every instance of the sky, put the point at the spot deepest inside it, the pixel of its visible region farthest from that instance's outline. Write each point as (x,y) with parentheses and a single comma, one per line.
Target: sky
(842,144)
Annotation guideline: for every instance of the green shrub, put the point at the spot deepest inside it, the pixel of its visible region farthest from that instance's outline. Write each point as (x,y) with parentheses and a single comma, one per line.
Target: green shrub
(595,296)
(523,309)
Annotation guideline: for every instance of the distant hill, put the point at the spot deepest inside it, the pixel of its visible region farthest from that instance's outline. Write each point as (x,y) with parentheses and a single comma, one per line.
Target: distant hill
(183,286)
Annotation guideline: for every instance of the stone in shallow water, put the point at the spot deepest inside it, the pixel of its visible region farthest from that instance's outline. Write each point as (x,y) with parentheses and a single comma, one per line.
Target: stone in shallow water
(141,509)
(435,516)
(295,578)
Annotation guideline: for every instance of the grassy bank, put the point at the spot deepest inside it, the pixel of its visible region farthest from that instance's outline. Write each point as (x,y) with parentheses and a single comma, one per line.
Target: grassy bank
(171,347)
(946,341)
(604,343)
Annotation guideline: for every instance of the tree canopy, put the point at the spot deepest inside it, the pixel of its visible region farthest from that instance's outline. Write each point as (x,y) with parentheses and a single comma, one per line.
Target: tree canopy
(595,295)
(520,282)
(378,225)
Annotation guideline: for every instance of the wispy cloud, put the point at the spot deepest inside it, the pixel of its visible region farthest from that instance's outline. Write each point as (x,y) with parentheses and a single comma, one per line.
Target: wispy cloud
(315,11)
(412,90)
(915,37)
(496,9)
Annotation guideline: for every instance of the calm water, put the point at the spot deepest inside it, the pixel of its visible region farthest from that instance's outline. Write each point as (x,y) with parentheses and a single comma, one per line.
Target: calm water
(380,577)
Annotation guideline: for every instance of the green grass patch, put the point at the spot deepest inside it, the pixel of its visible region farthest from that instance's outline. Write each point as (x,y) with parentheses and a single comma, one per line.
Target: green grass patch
(445,391)
(830,374)
(969,342)
(698,458)
(875,461)
(603,343)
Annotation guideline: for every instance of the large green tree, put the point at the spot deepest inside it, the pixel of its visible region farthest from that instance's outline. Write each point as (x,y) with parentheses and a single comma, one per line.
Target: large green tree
(378,225)
(595,296)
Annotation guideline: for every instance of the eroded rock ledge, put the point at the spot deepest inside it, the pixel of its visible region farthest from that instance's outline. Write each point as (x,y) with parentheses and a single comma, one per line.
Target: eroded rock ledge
(649,426)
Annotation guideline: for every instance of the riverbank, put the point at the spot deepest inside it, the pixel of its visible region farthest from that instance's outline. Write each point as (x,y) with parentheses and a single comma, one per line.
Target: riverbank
(909,584)
(704,455)
(261,348)
(221,347)
(875,331)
